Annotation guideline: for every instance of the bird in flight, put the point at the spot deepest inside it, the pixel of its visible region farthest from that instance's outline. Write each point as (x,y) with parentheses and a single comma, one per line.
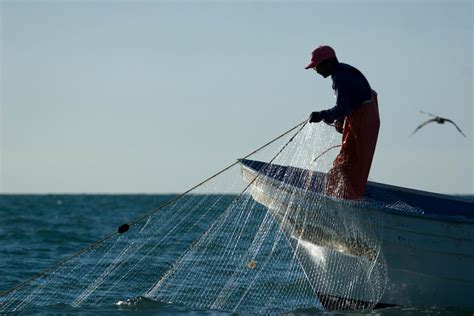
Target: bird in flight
(437,119)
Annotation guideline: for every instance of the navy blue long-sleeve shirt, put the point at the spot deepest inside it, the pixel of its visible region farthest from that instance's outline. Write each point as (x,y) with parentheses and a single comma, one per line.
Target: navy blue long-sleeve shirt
(351,89)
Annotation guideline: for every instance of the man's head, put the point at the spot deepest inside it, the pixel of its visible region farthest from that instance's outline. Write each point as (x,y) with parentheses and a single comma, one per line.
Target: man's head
(323,60)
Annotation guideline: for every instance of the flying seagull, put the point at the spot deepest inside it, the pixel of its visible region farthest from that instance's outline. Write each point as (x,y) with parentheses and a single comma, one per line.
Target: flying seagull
(437,119)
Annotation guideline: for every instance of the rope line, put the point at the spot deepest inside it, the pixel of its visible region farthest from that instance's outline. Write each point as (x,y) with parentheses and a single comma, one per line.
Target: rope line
(174,200)
(153,211)
(321,154)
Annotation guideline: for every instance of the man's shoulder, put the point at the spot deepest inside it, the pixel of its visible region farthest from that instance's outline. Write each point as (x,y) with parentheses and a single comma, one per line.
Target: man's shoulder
(347,75)
(346,72)
(343,71)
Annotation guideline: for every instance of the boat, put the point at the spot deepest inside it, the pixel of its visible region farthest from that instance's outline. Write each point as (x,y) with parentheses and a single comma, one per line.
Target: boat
(404,247)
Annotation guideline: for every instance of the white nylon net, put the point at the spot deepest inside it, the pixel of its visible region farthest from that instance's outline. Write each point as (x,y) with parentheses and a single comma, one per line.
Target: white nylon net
(250,240)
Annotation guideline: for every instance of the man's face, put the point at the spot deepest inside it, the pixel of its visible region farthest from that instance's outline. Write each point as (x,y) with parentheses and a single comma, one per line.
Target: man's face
(323,69)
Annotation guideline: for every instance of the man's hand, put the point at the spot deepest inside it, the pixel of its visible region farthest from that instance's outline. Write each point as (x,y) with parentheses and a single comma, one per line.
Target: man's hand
(315,117)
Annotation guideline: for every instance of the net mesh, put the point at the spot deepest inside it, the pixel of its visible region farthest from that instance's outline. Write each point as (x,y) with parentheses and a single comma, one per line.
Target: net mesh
(242,242)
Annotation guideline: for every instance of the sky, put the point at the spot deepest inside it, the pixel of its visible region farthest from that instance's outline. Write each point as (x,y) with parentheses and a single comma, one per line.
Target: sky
(154,96)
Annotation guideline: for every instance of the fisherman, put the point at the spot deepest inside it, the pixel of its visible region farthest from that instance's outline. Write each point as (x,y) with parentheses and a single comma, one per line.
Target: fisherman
(356,116)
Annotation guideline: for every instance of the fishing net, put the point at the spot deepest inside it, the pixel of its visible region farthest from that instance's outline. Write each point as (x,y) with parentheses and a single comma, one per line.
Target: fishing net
(258,237)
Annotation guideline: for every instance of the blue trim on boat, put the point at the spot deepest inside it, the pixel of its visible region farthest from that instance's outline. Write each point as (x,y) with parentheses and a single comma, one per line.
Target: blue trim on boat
(434,205)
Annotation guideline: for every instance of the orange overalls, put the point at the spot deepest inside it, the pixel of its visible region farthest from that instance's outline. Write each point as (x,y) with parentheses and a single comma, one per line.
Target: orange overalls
(348,176)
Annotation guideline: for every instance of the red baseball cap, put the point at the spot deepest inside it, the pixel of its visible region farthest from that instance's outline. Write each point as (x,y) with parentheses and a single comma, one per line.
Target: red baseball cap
(320,54)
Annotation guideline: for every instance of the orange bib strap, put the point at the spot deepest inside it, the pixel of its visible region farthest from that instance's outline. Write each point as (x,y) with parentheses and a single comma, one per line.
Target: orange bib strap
(348,176)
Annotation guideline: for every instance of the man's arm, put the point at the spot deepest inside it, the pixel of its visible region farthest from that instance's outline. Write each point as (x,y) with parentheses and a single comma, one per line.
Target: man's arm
(342,107)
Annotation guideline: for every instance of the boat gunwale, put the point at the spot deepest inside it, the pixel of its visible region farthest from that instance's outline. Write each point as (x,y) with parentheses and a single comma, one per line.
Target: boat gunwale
(364,203)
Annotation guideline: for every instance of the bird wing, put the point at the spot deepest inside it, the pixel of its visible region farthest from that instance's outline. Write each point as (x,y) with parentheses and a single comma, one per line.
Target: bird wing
(423,124)
(430,114)
(457,127)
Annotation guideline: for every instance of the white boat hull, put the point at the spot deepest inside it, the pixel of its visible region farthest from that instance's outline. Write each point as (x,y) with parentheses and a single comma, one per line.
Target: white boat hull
(406,259)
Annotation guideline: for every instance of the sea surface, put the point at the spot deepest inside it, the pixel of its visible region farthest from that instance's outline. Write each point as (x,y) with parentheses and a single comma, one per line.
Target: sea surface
(37,231)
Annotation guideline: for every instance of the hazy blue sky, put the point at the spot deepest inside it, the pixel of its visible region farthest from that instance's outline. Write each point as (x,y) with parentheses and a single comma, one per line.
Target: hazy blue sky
(153,96)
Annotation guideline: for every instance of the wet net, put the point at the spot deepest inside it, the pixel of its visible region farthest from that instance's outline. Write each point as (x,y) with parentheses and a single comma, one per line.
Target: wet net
(259,237)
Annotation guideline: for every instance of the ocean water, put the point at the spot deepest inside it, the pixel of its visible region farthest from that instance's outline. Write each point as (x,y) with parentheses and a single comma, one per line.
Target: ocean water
(37,231)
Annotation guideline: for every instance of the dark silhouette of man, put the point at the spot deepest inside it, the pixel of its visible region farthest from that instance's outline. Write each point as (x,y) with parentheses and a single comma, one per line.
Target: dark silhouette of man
(356,115)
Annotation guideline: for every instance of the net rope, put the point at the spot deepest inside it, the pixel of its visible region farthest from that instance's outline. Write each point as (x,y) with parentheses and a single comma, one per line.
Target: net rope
(244,240)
